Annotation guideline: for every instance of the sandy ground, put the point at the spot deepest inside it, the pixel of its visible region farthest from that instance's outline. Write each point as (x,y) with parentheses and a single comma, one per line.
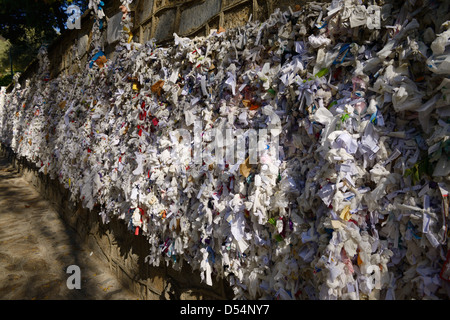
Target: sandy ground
(36,247)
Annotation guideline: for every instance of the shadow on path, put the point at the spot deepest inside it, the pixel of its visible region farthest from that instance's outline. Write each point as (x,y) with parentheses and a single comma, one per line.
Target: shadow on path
(36,247)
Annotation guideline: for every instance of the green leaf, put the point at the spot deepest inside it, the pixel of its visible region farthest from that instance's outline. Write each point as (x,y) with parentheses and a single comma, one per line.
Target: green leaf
(332,104)
(278,238)
(416,176)
(271,91)
(322,72)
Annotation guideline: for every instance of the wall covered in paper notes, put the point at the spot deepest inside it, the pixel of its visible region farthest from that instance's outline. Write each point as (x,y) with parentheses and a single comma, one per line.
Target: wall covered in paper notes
(302,156)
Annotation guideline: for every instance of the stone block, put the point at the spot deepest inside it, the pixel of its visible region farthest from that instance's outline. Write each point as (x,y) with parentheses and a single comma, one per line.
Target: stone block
(237,17)
(113,31)
(197,15)
(229,3)
(159,4)
(145,10)
(165,25)
(82,46)
(146,32)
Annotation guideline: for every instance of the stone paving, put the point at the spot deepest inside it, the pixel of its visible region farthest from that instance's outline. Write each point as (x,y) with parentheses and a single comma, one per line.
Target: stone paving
(36,247)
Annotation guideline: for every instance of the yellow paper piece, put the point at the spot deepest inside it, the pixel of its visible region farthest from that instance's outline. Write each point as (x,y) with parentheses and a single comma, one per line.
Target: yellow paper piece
(130,35)
(345,214)
(359,260)
(62,104)
(336,224)
(245,168)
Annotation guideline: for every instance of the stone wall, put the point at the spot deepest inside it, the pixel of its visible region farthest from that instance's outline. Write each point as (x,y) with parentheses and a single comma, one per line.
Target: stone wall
(157,19)
(119,249)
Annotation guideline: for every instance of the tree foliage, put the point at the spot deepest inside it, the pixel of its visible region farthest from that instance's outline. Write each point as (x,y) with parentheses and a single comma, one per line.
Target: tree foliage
(28,24)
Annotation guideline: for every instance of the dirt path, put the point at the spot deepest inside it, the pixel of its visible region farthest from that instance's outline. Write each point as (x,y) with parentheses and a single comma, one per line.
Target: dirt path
(36,248)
